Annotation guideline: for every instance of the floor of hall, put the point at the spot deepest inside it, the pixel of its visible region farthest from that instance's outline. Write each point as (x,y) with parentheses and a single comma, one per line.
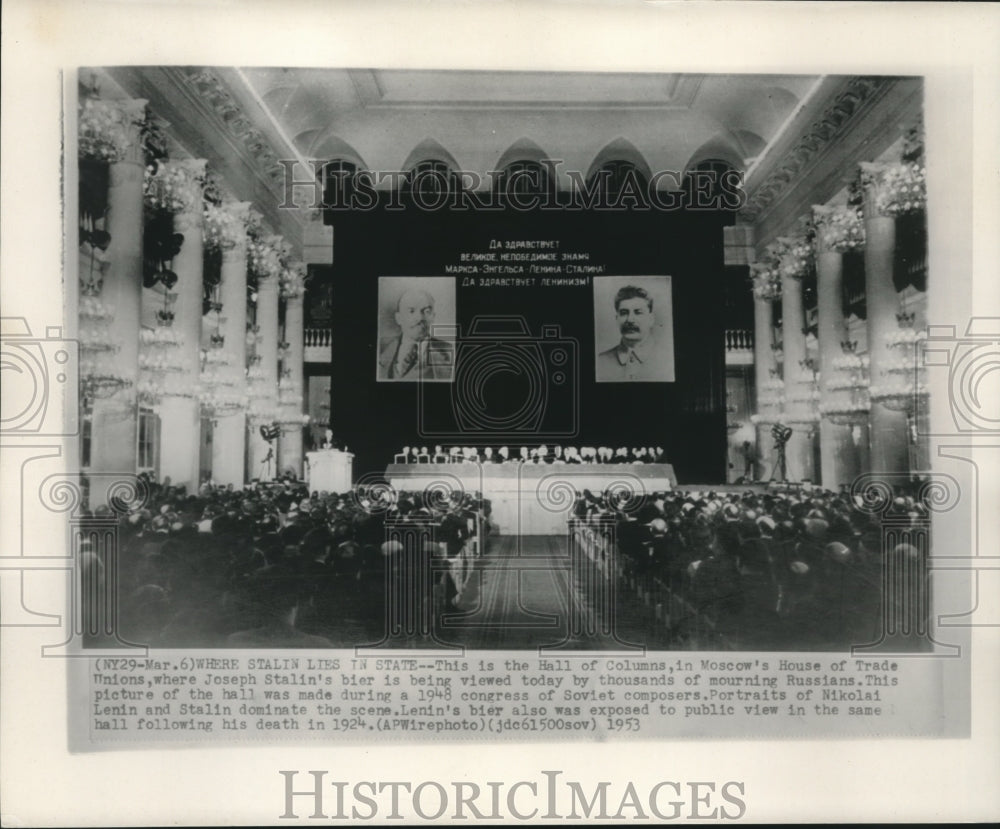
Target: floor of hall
(525,594)
(535,593)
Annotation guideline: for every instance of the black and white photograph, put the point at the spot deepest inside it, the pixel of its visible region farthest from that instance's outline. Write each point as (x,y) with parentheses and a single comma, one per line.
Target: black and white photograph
(196,384)
(634,322)
(438,407)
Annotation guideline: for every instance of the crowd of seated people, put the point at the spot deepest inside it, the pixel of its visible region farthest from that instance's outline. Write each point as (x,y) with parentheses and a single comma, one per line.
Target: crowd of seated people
(760,570)
(271,565)
(535,454)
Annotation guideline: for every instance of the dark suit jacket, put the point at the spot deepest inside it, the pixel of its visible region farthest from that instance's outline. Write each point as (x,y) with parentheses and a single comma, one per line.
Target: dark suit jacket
(439,363)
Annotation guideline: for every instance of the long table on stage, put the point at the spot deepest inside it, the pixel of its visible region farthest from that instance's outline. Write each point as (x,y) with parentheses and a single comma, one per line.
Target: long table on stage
(531,499)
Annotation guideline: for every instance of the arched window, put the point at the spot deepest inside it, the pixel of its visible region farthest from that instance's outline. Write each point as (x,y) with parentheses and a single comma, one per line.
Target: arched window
(523,178)
(711,183)
(431,179)
(615,178)
(339,182)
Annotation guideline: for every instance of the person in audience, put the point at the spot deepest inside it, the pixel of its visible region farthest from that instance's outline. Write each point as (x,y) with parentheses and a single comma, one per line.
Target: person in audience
(277,593)
(764,568)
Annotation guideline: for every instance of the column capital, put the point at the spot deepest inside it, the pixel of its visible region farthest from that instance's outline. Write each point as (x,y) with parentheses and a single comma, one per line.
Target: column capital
(793,255)
(111,130)
(766,281)
(176,186)
(838,229)
(873,187)
(192,177)
(226,225)
(892,188)
(239,210)
(266,255)
(293,282)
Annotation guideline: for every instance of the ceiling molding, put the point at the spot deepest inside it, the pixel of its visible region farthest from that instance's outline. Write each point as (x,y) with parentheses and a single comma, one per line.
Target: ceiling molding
(848,106)
(366,86)
(874,128)
(373,94)
(208,120)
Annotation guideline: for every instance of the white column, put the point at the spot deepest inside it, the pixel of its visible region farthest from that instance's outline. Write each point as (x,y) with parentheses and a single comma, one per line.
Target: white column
(115,420)
(888,428)
(229,434)
(764,364)
(290,447)
(267,349)
(838,458)
(798,451)
(180,412)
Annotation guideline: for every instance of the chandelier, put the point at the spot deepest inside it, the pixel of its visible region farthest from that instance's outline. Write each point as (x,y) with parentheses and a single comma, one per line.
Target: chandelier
(770,400)
(904,383)
(848,400)
(222,391)
(161,365)
(99,374)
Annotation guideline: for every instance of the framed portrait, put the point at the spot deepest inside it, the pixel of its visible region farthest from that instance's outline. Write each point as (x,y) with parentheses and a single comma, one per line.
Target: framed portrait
(416,324)
(633,329)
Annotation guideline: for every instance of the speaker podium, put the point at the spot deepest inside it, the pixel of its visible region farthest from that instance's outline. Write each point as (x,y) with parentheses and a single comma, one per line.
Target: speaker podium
(329,470)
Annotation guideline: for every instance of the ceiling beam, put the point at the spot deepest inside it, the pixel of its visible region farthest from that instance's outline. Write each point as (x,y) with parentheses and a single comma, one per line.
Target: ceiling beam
(858,119)
(210,122)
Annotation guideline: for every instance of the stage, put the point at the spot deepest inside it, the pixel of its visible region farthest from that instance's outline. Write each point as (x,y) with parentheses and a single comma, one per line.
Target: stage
(533,499)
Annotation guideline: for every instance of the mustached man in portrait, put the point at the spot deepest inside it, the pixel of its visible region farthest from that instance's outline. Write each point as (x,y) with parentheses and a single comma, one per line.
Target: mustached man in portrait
(643,352)
(411,353)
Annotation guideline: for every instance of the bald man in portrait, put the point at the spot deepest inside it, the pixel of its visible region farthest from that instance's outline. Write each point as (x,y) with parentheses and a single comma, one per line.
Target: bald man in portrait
(413,354)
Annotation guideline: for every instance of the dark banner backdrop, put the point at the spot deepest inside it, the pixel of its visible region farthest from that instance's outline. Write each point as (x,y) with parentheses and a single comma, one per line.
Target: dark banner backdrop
(686,417)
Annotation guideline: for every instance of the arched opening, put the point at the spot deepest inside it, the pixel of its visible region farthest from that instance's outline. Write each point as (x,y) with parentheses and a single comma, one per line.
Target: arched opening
(614,182)
(430,181)
(712,184)
(523,179)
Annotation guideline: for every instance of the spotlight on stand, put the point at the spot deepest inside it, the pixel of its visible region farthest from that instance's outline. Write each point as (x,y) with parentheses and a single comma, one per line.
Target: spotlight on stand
(269,433)
(781,434)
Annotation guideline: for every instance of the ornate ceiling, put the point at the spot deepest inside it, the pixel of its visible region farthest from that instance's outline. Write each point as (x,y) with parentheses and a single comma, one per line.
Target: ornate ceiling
(778,129)
(382,116)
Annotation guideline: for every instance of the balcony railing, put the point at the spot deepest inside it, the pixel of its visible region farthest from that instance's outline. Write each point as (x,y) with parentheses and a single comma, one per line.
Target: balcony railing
(739,346)
(739,339)
(318,338)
